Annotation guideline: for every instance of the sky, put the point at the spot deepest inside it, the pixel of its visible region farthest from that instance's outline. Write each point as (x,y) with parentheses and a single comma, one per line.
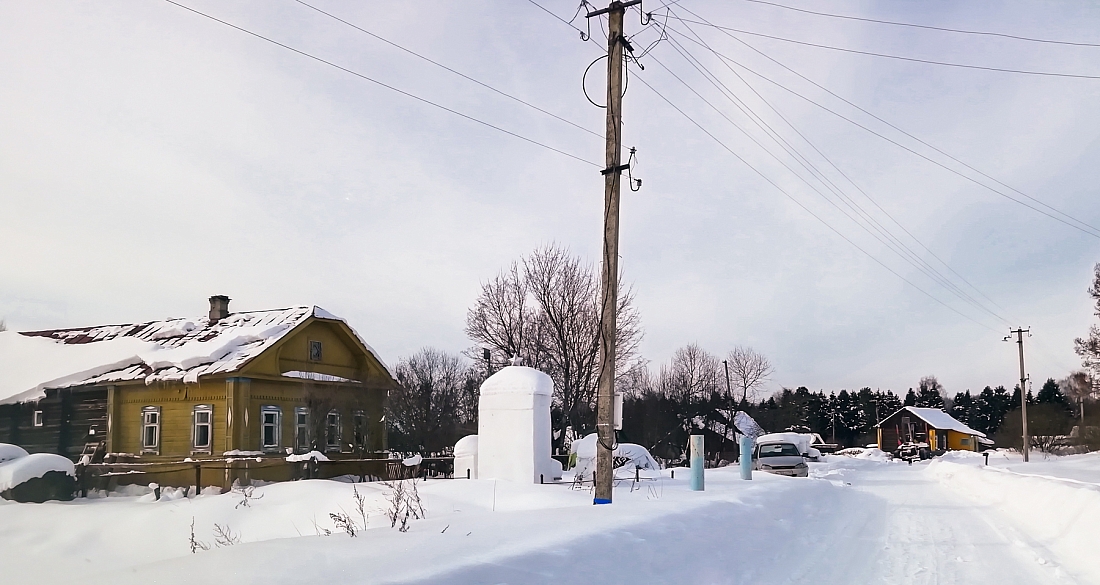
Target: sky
(151,157)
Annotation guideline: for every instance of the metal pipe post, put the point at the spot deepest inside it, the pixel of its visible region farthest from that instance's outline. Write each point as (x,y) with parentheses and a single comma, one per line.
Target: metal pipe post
(697,463)
(746,457)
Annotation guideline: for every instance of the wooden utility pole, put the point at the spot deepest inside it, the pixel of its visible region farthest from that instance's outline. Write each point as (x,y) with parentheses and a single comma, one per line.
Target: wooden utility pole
(1023,386)
(605,397)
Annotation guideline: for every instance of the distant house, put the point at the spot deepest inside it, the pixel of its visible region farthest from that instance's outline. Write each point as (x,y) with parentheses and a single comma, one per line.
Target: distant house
(933,426)
(257,382)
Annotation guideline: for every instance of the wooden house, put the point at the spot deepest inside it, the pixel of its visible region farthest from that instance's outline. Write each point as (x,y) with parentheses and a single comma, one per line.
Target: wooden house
(933,426)
(251,383)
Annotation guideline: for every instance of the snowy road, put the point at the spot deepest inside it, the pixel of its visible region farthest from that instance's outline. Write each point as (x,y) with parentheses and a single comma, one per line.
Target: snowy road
(892,524)
(854,521)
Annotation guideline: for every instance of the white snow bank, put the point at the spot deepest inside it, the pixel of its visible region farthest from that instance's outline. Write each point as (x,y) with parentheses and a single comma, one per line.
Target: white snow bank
(21,469)
(1063,516)
(9,452)
(961,456)
(636,456)
(317,455)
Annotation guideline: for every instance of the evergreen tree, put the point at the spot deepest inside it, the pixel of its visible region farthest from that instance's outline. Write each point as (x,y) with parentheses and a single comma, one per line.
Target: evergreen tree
(963,408)
(929,393)
(1051,393)
(910,398)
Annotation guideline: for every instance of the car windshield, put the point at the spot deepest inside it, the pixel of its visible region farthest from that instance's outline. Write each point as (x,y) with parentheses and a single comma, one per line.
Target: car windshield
(779,450)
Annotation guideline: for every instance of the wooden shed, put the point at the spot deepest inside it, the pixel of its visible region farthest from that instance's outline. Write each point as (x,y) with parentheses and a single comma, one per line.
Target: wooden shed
(941,431)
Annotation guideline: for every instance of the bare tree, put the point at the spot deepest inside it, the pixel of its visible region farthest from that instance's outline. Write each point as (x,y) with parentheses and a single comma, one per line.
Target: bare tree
(545,310)
(748,370)
(3,325)
(1078,387)
(425,412)
(691,374)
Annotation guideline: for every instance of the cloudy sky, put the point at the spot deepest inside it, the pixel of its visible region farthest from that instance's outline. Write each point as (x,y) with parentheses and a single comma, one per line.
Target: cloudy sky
(151,157)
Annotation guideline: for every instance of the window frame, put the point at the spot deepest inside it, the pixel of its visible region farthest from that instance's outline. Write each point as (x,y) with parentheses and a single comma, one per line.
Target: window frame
(359,430)
(208,410)
(320,353)
(334,444)
(276,428)
(301,429)
(38,419)
(146,411)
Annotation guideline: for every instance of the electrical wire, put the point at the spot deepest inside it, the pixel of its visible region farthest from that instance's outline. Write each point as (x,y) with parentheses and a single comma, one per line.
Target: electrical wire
(780,189)
(927,27)
(1069,220)
(894,242)
(897,57)
(387,86)
(807,210)
(442,66)
(876,230)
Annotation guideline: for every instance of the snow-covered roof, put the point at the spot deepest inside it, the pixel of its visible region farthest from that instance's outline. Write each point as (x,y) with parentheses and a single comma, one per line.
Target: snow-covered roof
(168,350)
(938,419)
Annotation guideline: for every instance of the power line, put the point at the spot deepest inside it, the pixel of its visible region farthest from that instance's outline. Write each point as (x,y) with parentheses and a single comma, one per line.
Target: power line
(897,57)
(387,86)
(927,27)
(1082,226)
(892,241)
(774,184)
(806,209)
(458,73)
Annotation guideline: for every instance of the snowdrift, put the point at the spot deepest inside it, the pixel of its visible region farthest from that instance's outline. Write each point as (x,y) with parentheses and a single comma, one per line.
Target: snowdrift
(1062,514)
(35,478)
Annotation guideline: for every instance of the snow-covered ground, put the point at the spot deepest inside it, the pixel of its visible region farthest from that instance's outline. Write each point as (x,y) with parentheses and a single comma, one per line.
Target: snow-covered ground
(853,521)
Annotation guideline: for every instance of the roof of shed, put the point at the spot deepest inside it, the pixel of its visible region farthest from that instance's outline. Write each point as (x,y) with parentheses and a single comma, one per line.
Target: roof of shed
(166,350)
(936,419)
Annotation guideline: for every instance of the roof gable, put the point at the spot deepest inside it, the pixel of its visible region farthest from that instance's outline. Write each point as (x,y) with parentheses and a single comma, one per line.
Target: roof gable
(167,350)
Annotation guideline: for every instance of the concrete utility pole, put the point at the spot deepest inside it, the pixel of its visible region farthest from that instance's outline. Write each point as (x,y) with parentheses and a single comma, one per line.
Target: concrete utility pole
(1023,385)
(605,398)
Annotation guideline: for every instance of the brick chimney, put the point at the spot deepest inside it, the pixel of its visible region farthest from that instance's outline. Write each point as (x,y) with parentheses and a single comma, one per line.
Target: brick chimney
(219,308)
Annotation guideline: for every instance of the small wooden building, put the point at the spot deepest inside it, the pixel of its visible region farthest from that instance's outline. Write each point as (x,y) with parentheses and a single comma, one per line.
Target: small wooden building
(252,383)
(941,431)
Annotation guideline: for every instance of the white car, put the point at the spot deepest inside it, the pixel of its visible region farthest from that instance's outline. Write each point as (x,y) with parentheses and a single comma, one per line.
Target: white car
(781,458)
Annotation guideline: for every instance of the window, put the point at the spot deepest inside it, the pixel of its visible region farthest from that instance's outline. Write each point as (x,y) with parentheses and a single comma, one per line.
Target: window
(39,418)
(360,423)
(314,351)
(150,429)
(269,427)
(332,431)
(301,429)
(964,442)
(201,422)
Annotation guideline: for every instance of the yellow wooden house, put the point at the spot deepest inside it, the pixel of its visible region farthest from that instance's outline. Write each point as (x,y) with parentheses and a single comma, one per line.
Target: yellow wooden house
(252,383)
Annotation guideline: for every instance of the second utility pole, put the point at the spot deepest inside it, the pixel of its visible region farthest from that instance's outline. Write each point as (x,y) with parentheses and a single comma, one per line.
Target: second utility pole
(605,397)
(1023,386)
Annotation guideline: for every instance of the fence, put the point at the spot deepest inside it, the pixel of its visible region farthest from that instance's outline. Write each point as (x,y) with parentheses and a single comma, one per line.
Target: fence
(224,473)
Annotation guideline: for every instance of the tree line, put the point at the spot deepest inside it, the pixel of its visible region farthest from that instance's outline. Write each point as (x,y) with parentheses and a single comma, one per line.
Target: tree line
(543,311)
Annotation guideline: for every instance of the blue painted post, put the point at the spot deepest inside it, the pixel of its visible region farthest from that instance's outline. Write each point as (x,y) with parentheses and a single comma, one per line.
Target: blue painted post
(746,457)
(697,463)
